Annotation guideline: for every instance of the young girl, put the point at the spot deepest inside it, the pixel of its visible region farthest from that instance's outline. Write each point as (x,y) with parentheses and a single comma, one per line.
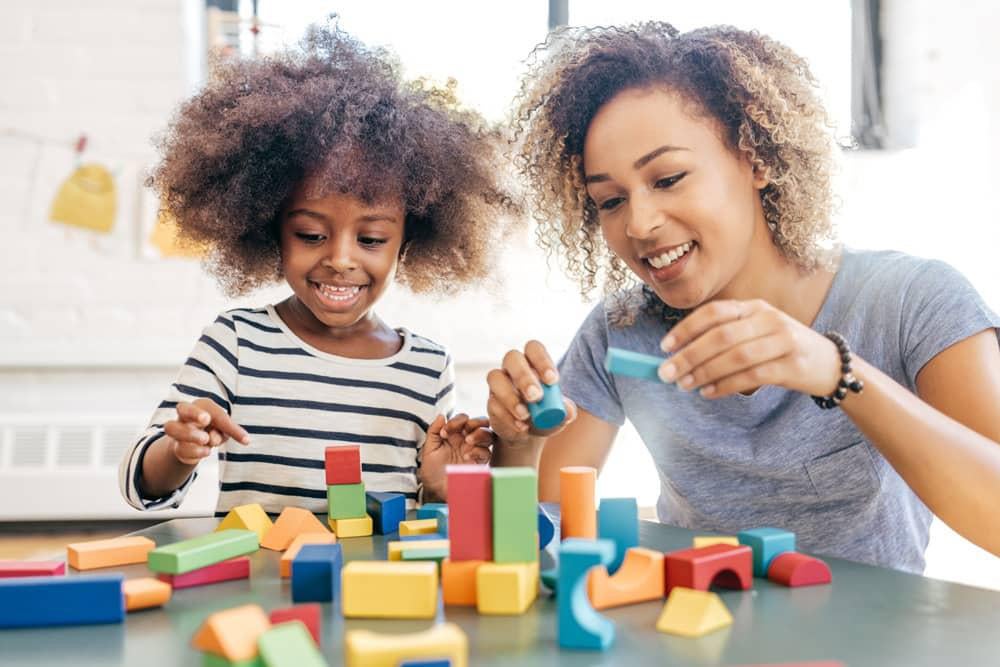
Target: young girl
(322,168)
(692,170)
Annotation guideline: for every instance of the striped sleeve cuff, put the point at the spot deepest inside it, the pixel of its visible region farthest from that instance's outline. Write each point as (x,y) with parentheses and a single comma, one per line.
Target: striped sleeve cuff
(131,473)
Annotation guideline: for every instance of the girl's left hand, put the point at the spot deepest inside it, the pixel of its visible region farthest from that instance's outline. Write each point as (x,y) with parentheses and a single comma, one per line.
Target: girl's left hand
(460,439)
(726,347)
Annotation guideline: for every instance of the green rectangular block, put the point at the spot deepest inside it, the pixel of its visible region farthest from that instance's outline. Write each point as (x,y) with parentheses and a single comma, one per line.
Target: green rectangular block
(199,552)
(437,554)
(212,660)
(289,645)
(515,515)
(346,501)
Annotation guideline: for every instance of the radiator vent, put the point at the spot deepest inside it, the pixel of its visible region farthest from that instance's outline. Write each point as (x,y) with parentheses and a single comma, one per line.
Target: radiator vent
(74,446)
(28,446)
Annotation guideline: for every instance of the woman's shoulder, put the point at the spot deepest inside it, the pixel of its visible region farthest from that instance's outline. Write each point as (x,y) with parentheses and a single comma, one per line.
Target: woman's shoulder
(879,273)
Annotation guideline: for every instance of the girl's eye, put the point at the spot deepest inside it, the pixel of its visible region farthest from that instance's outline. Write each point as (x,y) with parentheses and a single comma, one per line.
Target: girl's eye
(370,241)
(310,238)
(610,204)
(669,181)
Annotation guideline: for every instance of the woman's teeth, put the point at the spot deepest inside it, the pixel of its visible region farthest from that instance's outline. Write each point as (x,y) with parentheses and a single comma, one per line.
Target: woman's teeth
(668,258)
(339,293)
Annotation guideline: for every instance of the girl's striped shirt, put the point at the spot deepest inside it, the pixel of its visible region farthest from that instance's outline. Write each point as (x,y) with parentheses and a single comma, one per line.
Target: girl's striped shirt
(295,400)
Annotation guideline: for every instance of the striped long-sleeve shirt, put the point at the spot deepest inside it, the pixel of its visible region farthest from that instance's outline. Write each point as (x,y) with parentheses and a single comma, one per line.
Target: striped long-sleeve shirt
(294,401)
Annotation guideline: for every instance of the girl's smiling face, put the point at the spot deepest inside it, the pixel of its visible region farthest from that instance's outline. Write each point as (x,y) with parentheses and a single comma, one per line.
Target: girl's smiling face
(674,202)
(339,254)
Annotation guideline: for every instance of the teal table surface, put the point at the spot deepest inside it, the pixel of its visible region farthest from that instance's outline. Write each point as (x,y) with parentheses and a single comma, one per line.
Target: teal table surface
(868,616)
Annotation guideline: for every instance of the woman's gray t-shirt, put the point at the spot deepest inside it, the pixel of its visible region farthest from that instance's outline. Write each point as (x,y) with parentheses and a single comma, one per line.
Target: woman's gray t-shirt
(774,458)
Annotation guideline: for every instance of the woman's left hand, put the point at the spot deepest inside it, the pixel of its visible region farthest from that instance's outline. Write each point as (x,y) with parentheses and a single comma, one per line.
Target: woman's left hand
(726,347)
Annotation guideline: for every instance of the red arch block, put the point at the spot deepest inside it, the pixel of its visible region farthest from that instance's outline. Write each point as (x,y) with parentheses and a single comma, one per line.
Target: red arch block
(795,569)
(725,565)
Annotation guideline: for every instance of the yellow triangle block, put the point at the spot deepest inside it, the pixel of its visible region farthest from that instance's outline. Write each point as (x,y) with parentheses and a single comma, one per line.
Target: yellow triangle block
(292,522)
(247,517)
(691,613)
(232,633)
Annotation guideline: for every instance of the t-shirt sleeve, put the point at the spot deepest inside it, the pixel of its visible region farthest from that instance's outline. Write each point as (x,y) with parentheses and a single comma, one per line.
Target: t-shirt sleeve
(940,308)
(582,376)
(210,372)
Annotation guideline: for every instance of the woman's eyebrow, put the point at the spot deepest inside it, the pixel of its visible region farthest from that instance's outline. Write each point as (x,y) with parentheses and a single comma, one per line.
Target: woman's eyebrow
(638,164)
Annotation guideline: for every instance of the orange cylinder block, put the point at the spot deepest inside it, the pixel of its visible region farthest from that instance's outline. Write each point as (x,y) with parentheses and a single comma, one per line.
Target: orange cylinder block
(577,503)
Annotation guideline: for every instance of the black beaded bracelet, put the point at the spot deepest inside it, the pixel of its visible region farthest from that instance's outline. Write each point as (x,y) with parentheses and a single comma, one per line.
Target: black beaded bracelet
(847,380)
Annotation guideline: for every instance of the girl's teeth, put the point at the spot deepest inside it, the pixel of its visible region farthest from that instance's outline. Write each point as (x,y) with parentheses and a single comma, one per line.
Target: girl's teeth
(339,293)
(671,256)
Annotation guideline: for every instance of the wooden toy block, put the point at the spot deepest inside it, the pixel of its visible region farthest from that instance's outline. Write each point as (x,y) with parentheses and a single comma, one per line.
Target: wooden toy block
(227,570)
(550,579)
(198,552)
(766,544)
(292,522)
(386,510)
(550,411)
(27,602)
(424,537)
(579,625)
(639,579)
(109,553)
(145,593)
(418,527)
(308,614)
(232,633)
(247,517)
(387,589)
(794,569)
(633,364)
(436,555)
(708,540)
(470,512)
(31,568)
(285,564)
(506,589)
(718,564)
(429,510)
(394,550)
(515,515)
(289,645)
(363,648)
(212,660)
(458,582)
(346,501)
(578,511)
(546,529)
(691,613)
(440,514)
(618,521)
(343,464)
(356,527)
(316,573)
(425,663)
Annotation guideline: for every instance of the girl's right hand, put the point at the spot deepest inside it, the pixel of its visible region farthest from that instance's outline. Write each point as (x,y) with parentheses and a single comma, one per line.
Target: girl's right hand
(200,426)
(515,385)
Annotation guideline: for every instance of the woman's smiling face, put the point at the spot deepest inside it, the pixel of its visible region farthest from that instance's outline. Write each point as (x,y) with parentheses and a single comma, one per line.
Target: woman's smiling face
(674,202)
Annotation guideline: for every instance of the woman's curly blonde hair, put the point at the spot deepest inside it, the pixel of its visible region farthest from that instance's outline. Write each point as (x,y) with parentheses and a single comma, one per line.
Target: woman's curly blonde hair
(762,95)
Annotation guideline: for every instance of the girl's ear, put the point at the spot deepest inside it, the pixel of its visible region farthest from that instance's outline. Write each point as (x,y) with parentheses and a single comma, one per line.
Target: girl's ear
(761,176)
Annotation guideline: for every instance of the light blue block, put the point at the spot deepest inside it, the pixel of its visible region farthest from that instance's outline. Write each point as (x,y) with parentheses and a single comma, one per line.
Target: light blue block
(618,521)
(580,626)
(550,411)
(424,536)
(427,510)
(546,529)
(766,543)
(27,602)
(441,514)
(316,573)
(632,364)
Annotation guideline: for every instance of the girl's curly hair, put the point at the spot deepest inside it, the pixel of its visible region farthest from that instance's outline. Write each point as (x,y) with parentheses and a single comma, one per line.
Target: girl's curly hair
(340,114)
(762,95)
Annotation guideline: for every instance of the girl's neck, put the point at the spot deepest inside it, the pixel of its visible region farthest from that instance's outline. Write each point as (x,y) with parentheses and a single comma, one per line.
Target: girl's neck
(368,338)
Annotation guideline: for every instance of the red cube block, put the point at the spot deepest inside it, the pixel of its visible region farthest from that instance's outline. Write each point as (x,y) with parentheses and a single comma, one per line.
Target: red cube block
(309,614)
(343,464)
(470,512)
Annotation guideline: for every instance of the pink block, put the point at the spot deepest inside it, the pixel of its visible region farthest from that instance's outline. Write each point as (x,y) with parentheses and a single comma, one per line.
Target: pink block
(227,570)
(31,568)
(309,614)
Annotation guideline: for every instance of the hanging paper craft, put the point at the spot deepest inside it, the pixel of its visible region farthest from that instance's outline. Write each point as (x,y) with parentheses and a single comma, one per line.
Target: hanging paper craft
(165,239)
(87,199)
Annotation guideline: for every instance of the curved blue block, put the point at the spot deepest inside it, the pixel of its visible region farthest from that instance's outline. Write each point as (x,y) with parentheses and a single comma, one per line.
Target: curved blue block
(580,626)
(546,529)
(618,521)
(550,411)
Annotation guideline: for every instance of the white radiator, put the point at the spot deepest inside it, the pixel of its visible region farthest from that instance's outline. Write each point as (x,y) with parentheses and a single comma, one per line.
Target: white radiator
(66,467)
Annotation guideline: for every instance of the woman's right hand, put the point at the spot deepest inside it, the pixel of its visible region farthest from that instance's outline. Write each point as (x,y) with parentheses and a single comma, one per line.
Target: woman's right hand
(515,385)
(200,426)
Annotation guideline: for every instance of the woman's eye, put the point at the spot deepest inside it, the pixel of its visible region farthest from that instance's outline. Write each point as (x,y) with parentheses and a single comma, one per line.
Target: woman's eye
(669,180)
(610,204)
(310,238)
(370,241)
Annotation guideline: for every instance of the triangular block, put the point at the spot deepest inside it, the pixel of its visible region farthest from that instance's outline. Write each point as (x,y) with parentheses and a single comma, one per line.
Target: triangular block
(292,522)
(232,633)
(247,517)
(691,613)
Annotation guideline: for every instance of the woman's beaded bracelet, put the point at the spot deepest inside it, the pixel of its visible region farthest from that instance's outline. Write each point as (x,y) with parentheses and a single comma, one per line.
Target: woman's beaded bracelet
(847,380)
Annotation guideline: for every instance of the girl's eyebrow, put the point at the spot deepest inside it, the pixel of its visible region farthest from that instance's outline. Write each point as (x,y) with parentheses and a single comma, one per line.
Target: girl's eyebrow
(368,217)
(638,164)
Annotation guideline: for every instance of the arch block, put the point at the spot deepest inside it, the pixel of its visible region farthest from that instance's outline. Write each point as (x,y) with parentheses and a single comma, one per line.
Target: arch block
(639,579)
(579,625)
(725,565)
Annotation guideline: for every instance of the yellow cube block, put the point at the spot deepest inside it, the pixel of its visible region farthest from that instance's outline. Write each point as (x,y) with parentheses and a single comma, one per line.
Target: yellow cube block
(418,527)
(709,540)
(394,550)
(691,613)
(356,527)
(389,589)
(364,648)
(506,588)
(247,517)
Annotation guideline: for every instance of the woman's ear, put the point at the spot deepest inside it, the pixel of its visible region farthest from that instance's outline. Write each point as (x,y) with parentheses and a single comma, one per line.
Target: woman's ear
(761,175)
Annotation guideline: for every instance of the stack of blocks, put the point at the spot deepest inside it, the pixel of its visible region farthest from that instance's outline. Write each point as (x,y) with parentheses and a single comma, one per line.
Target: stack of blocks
(345,492)
(493,546)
